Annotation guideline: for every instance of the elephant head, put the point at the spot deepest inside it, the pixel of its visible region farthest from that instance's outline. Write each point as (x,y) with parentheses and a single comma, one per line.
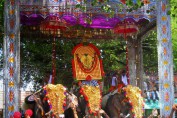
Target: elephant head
(38,103)
(118,106)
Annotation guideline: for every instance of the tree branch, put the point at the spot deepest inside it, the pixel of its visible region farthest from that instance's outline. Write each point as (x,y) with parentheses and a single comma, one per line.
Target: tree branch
(144,31)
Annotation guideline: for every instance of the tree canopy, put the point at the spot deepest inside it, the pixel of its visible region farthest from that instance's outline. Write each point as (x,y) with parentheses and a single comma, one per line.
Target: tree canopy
(36,54)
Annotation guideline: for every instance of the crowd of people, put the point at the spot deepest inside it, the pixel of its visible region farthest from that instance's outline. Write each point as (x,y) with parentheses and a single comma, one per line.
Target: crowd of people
(151,88)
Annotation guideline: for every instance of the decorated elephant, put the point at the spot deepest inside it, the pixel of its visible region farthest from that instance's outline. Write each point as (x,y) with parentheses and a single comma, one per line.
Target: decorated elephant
(52,101)
(125,103)
(117,105)
(89,99)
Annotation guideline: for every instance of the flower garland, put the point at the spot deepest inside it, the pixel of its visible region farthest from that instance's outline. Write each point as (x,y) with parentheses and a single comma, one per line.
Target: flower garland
(56,97)
(133,93)
(92,95)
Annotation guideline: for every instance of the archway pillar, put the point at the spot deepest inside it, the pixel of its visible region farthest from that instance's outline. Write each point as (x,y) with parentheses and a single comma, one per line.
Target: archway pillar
(11,57)
(165,58)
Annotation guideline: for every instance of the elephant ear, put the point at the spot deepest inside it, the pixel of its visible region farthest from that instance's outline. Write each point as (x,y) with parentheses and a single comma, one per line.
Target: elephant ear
(30,99)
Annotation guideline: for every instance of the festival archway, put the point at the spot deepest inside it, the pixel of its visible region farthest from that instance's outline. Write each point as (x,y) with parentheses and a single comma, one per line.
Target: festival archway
(12,50)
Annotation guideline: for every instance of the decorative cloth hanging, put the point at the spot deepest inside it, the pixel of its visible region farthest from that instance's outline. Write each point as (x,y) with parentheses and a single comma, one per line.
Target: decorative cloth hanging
(87,64)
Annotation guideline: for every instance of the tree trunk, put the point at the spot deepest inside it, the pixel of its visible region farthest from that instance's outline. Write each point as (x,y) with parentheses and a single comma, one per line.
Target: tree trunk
(131,61)
(135,62)
(139,63)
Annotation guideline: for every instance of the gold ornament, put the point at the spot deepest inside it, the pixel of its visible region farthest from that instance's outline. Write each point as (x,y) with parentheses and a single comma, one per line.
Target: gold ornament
(134,95)
(94,97)
(56,96)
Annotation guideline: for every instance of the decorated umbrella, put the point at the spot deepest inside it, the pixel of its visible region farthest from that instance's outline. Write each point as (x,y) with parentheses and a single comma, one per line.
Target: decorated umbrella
(53,26)
(126,28)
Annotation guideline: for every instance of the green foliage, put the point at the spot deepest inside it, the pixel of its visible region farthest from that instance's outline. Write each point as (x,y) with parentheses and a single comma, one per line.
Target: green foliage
(113,53)
(105,7)
(150,56)
(36,58)
(173,10)
(36,55)
(173,4)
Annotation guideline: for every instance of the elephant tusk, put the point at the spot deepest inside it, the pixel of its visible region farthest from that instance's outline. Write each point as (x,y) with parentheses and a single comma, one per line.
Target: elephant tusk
(127,115)
(48,113)
(37,91)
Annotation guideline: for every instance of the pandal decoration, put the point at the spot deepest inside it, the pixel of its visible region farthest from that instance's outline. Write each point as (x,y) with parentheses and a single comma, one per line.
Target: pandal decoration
(133,93)
(87,64)
(92,95)
(56,97)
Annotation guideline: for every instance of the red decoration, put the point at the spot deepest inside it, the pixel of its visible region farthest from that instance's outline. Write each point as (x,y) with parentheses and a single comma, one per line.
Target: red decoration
(17,114)
(95,48)
(87,70)
(101,66)
(88,78)
(11,47)
(12,23)
(163,7)
(52,25)
(122,28)
(146,1)
(75,48)
(123,1)
(79,83)
(166,97)
(29,112)
(73,68)
(126,28)
(11,71)
(11,95)
(120,86)
(86,64)
(12,2)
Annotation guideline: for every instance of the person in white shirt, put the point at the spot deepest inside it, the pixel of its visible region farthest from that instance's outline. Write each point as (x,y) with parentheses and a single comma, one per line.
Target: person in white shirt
(113,82)
(124,78)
